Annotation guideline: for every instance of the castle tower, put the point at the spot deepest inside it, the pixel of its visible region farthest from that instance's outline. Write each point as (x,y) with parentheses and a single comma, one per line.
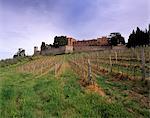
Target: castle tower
(35,49)
(70,41)
(36,52)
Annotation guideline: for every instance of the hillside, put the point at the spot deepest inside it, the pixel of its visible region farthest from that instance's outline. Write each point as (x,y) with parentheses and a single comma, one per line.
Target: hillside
(96,84)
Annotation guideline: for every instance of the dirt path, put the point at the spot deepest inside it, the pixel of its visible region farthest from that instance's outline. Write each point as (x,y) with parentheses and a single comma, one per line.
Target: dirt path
(97,89)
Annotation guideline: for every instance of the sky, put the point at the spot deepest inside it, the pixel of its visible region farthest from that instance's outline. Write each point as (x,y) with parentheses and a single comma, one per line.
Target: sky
(27,23)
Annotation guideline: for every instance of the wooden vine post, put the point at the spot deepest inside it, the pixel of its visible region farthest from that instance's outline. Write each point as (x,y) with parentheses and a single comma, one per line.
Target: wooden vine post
(97,61)
(83,69)
(110,62)
(90,81)
(143,63)
(116,57)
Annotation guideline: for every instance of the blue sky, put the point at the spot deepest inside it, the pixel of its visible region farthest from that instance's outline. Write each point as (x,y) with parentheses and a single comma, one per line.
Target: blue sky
(26,23)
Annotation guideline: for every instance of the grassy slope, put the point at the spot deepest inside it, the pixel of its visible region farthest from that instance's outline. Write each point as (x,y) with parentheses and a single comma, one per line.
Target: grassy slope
(24,95)
(123,93)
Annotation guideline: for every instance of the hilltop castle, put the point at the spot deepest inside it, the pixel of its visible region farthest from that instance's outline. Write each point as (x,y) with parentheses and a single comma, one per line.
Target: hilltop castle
(73,45)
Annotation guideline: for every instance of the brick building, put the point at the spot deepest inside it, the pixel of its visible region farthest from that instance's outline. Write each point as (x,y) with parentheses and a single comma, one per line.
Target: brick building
(103,41)
(94,42)
(70,41)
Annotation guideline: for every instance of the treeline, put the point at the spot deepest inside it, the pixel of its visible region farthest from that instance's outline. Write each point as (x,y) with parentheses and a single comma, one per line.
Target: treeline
(139,38)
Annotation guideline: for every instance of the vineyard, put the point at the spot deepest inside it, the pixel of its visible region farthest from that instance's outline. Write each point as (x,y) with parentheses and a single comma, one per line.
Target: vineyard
(41,66)
(90,84)
(127,63)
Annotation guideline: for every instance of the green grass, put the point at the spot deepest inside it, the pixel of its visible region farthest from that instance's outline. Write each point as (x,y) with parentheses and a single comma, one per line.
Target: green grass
(23,95)
(50,97)
(115,91)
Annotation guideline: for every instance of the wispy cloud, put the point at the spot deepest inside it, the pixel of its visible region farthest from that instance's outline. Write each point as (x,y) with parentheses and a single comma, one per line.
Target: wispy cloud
(25,23)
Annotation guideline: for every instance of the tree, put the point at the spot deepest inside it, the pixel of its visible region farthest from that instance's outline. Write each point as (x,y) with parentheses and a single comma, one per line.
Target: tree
(60,41)
(43,46)
(116,38)
(20,53)
(138,38)
(147,37)
(113,41)
(131,40)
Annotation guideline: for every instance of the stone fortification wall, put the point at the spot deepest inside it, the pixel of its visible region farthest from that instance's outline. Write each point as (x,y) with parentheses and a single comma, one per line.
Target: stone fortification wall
(55,51)
(69,49)
(119,47)
(90,48)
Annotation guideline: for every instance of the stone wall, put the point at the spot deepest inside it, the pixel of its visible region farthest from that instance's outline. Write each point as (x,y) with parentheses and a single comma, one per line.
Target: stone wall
(69,49)
(94,42)
(54,51)
(36,51)
(119,47)
(103,41)
(90,48)
(60,50)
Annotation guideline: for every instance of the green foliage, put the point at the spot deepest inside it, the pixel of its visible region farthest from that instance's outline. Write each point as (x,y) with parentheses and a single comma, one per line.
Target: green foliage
(7,93)
(138,38)
(43,46)
(60,41)
(116,39)
(50,97)
(115,90)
